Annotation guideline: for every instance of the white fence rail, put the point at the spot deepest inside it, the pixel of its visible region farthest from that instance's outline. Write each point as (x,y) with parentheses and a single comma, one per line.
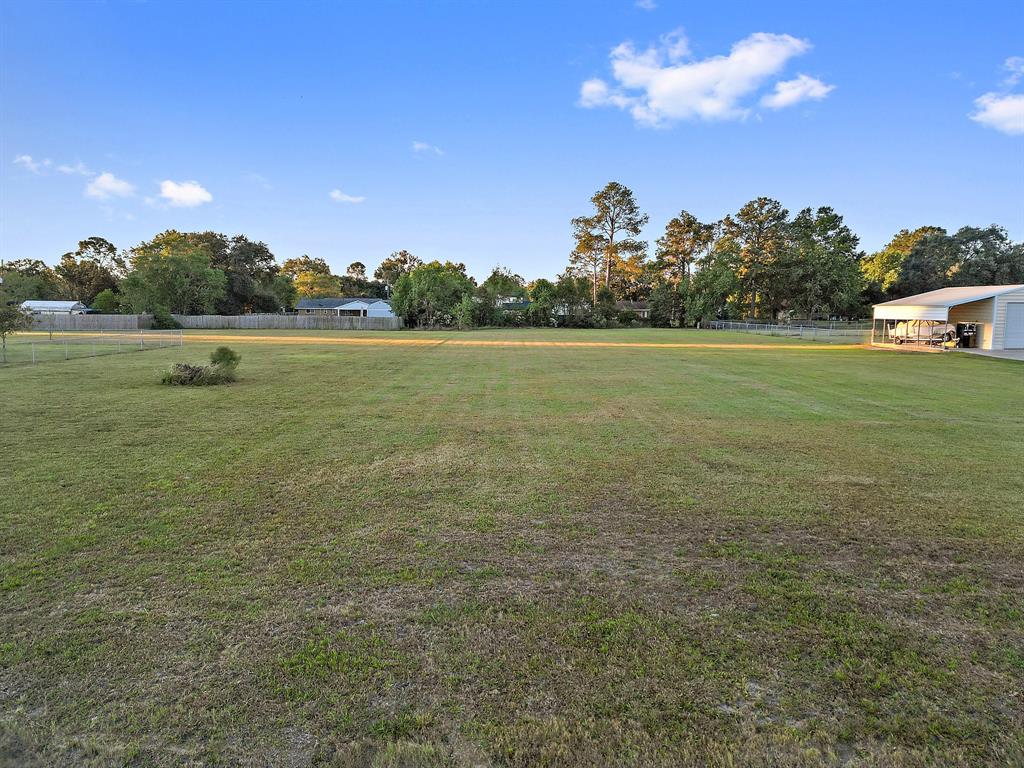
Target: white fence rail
(290,322)
(69,345)
(811,333)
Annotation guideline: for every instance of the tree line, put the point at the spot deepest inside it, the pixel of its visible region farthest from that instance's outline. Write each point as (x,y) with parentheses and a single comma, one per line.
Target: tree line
(759,263)
(189,273)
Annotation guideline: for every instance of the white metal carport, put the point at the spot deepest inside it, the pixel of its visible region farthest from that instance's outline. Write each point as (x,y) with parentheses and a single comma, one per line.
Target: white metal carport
(993,313)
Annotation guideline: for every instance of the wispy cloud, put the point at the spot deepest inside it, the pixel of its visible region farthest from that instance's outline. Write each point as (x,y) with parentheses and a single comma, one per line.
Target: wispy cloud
(78,169)
(423,147)
(46,166)
(1015,66)
(107,185)
(338,196)
(184,194)
(646,5)
(31,165)
(663,83)
(790,92)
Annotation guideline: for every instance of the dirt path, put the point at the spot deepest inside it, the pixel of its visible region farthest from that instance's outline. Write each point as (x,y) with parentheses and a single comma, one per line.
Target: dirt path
(377,341)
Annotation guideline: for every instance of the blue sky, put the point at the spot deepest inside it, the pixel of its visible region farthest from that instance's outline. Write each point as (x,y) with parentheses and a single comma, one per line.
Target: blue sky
(464,131)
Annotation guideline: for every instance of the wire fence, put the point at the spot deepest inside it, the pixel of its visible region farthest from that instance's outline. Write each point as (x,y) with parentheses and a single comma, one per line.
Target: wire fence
(840,335)
(45,346)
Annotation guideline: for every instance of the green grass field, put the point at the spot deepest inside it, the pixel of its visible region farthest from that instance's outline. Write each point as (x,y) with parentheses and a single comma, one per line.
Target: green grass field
(529,556)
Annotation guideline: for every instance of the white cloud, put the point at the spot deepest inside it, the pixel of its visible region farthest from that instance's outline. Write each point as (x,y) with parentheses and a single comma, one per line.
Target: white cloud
(1015,66)
(339,196)
(422,146)
(107,185)
(790,92)
(646,5)
(660,85)
(1003,112)
(184,194)
(34,166)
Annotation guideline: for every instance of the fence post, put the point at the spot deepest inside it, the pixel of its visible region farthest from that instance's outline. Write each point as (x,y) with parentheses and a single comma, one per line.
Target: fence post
(33,353)
(65,349)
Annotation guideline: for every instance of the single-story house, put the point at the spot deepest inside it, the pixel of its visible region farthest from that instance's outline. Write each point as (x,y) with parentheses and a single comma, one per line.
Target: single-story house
(346,307)
(640,307)
(38,307)
(983,316)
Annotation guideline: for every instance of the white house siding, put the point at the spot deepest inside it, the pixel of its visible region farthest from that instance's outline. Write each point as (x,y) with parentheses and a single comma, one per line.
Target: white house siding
(999,325)
(976,312)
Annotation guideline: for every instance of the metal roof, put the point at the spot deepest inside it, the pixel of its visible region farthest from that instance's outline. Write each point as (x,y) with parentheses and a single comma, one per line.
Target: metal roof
(951,297)
(44,304)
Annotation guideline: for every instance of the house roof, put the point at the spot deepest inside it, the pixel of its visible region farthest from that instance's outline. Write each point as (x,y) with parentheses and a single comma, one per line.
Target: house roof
(42,304)
(951,297)
(515,305)
(337,302)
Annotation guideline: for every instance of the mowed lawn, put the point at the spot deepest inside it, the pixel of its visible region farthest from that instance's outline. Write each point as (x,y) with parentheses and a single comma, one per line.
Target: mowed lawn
(444,554)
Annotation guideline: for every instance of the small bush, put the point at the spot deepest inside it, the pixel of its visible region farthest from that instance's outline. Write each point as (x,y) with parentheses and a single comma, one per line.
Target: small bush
(221,370)
(164,320)
(225,356)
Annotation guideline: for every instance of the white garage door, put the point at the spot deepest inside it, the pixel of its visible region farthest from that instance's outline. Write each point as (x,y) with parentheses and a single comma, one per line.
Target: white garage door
(1014,337)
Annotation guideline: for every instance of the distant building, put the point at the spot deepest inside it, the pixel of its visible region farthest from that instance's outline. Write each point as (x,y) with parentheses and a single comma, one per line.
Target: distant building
(640,307)
(37,307)
(346,307)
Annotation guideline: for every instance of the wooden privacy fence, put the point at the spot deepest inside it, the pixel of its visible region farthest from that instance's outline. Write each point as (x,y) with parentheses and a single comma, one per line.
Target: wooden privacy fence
(290,322)
(91,322)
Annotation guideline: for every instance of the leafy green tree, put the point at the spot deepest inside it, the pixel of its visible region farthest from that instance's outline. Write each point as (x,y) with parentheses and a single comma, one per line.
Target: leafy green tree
(175,274)
(759,229)
(84,273)
(394,266)
(587,259)
(988,257)
(666,305)
(881,270)
(250,270)
(428,294)
(972,256)
(317,285)
(612,228)
(686,239)
(503,284)
(12,320)
(24,279)
(824,275)
(107,302)
(634,278)
(283,288)
(295,266)
(574,304)
(357,270)
(543,302)
(716,289)
(604,310)
(465,312)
